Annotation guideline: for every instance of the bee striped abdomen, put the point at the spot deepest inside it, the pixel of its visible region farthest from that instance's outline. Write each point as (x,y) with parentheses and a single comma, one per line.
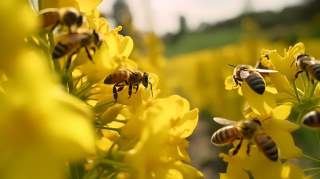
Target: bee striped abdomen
(256,83)
(267,146)
(60,50)
(224,135)
(314,70)
(312,119)
(116,77)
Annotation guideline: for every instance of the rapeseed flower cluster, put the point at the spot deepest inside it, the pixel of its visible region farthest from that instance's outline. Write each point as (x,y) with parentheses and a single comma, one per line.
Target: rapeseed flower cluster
(282,93)
(59,118)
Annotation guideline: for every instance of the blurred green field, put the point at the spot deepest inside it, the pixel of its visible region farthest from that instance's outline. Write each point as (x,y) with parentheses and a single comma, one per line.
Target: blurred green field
(197,41)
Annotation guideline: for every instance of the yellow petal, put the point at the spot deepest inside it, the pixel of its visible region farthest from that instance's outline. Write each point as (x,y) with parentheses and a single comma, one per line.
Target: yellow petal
(281,112)
(125,46)
(188,123)
(285,144)
(288,171)
(260,104)
(229,84)
(88,5)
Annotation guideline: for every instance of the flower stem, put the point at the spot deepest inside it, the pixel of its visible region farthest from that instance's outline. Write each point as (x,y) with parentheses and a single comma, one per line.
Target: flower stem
(300,116)
(73,171)
(305,90)
(114,175)
(318,136)
(114,144)
(311,170)
(310,158)
(296,91)
(316,174)
(313,89)
(101,106)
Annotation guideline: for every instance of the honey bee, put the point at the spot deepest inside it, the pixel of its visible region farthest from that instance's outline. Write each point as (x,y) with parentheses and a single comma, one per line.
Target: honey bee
(311,119)
(69,17)
(252,76)
(126,77)
(307,63)
(75,42)
(245,129)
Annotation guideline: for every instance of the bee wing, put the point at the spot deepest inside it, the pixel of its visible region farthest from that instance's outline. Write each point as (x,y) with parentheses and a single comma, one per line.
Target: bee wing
(262,70)
(75,38)
(244,74)
(223,121)
(311,62)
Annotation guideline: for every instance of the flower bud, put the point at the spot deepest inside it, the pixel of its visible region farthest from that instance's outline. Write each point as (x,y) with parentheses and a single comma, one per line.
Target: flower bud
(110,114)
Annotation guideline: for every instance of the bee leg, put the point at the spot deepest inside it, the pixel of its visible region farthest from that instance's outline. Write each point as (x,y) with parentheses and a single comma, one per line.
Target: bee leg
(89,56)
(130,90)
(137,88)
(248,149)
(115,93)
(307,75)
(312,81)
(94,50)
(55,25)
(69,61)
(296,76)
(235,81)
(238,147)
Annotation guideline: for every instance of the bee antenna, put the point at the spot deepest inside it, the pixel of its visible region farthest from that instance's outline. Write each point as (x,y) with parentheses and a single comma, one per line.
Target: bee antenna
(232,65)
(151,88)
(265,119)
(292,62)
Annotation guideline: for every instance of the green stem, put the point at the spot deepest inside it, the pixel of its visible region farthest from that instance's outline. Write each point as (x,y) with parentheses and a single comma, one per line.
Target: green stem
(311,170)
(101,106)
(73,171)
(313,89)
(310,158)
(114,144)
(317,106)
(300,117)
(75,86)
(81,169)
(318,136)
(315,175)
(41,4)
(304,82)
(129,144)
(296,91)
(70,84)
(114,175)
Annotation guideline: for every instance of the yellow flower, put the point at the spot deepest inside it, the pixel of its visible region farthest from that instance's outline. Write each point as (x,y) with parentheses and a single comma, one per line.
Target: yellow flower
(275,125)
(81,5)
(283,65)
(165,125)
(41,122)
(259,166)
(14,29)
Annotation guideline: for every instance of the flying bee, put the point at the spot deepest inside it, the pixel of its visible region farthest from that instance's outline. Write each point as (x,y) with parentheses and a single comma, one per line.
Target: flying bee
(245,129)
(125,77)
(311,119)
(68,16)
(307,63)
(252,76)
(75,41)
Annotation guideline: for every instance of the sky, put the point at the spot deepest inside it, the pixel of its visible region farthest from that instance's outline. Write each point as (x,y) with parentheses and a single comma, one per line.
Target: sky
(162,16)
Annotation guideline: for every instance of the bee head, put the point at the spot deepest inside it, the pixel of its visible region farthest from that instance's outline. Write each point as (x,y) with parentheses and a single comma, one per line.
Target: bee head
(80,20)
(145,81)
(96,39)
